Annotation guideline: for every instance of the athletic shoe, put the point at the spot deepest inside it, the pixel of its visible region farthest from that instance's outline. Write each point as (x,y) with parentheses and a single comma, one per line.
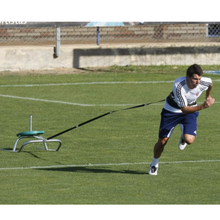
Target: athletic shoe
(153,170)
(182,143)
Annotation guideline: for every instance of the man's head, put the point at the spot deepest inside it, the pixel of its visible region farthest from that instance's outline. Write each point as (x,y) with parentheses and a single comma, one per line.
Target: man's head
(194,69)
(194,75)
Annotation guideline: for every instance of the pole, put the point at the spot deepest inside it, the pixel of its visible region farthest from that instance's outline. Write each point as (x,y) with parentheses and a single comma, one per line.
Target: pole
(98,36)
(57,48)
(30,122)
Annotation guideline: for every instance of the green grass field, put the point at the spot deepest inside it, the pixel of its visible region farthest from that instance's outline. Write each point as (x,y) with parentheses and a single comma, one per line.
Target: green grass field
(107,160)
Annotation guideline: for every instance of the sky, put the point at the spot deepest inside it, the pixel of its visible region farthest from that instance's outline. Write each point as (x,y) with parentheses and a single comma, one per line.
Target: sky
(114,10)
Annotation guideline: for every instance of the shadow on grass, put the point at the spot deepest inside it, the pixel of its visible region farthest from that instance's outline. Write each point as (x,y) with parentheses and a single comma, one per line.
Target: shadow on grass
(34,155)
(92,170)
(27,152)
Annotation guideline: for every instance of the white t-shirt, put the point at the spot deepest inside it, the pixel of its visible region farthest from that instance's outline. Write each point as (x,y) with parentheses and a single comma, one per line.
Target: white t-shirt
(183,95)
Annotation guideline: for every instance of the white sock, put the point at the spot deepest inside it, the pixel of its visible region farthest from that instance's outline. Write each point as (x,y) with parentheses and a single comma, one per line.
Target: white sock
(181,127)
(155,162)
(182,130)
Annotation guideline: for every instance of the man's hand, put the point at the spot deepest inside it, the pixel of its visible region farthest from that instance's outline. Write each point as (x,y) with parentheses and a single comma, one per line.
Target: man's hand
(209,101)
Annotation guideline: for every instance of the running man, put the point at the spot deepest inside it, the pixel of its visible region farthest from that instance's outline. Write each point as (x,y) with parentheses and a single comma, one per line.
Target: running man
(180,108)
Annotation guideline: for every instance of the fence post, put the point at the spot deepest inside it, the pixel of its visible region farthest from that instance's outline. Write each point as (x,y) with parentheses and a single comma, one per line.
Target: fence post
(57,48)
(98,36)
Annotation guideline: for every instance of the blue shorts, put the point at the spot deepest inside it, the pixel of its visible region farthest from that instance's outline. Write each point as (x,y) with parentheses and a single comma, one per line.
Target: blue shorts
(170,120)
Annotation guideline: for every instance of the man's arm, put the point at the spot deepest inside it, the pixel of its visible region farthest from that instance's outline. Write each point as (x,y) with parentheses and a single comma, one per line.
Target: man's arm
(208,91)
(209,101)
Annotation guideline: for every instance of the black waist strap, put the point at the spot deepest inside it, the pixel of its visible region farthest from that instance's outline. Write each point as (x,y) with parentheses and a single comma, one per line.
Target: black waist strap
(171,102)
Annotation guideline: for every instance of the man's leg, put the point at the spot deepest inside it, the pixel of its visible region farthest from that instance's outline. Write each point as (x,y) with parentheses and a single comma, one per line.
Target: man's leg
(188,130)
(159,146)
(167,124)
(158,149)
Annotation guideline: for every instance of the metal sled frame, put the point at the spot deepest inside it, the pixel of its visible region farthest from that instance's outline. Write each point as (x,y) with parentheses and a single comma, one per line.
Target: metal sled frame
(37,139)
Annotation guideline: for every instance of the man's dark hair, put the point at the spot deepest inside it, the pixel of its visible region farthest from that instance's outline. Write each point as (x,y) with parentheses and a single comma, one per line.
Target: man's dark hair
(194,69)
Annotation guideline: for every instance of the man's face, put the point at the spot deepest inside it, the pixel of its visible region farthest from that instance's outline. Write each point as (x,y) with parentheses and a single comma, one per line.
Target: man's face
(193,82)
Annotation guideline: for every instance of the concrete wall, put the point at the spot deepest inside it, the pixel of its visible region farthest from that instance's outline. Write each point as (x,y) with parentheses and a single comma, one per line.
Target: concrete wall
(34,58)
(15,58)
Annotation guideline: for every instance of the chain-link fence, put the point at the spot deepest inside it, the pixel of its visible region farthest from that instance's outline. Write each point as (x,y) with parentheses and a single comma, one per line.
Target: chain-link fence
(45,33)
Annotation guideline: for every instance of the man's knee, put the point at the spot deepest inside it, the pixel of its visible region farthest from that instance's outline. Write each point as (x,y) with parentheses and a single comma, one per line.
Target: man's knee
(189,139)
(163,141)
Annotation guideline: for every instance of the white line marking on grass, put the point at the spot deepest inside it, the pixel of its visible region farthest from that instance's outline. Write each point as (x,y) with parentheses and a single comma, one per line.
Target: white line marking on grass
(62,102)
(93,83)
(44,100)
(86,83)
(107,164)
(73,103)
